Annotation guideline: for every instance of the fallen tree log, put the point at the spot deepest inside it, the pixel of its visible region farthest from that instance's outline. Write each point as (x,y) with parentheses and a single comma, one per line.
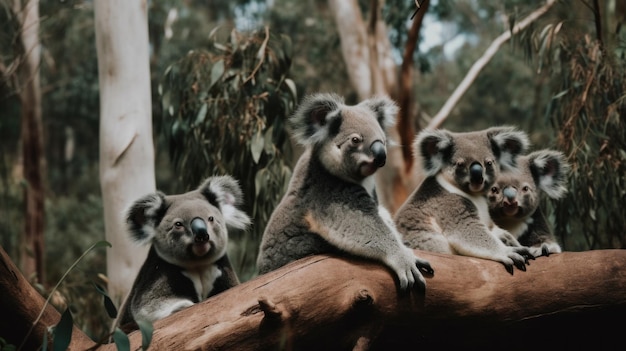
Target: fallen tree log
(566,300)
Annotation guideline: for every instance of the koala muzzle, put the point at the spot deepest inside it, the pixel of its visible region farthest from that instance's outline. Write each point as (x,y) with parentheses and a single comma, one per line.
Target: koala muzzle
(380,153)
(199,230)
(509,193)
(476,173)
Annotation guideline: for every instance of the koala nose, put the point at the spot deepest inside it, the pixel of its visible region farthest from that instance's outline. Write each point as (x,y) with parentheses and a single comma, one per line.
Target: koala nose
(509,193)
(476,173)
(199,230)
(379,152)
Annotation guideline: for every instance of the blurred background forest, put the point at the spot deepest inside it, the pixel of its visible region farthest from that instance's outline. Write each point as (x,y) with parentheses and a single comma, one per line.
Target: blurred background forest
(226,74)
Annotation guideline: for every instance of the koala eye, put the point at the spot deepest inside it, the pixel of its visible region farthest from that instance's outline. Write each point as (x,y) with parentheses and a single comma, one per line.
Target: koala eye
(178,224)
(525,188)
(356,140)
(494,190)
(211,219)
(489,163)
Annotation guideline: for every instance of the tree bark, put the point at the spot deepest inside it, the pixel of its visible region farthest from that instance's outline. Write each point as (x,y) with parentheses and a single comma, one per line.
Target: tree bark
(29,92)
(329,303)
(126,146)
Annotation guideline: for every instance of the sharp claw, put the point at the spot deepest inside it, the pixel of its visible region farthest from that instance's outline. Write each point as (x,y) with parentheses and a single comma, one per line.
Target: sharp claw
(509,268)
(545,251)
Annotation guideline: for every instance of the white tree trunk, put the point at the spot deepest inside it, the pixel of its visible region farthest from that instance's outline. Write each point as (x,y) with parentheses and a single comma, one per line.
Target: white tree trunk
(126,146)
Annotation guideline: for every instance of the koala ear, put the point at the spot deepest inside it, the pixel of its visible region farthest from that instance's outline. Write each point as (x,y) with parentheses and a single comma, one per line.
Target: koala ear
(311,117)
(507,144)
(434,148)
(225,193)
(550,170)
(144,215)
(385,110)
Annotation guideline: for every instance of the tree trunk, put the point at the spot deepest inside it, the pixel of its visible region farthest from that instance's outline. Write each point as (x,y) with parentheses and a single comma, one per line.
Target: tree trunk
(126,147)
(328,303)
(29,91)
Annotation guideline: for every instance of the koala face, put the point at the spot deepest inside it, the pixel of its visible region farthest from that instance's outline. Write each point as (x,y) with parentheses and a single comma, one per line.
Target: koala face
(189,230)
(469,161)
(350,141)
(516,193)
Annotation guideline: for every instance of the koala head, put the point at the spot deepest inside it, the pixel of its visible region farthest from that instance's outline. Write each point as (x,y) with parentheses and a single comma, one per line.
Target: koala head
(469,161)
(516,193)
(190,229)
(350,141)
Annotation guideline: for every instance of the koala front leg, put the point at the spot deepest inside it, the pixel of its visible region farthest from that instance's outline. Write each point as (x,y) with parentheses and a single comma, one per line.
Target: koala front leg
(476,241)
(370,237)
(158,309)
(507,238)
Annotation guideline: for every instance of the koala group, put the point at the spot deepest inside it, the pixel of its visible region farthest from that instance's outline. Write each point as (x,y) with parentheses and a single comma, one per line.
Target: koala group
(187,261)
(480,196)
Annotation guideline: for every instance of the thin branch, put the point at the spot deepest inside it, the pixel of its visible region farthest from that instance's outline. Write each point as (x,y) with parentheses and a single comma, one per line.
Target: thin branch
(406,128)
(482,62)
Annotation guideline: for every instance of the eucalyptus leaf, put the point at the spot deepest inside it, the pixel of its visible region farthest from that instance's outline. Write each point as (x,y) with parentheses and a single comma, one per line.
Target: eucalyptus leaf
(256,146)
(216,72)
(121,340)
(201,114)
(63,332)
(147,330)
(109,306)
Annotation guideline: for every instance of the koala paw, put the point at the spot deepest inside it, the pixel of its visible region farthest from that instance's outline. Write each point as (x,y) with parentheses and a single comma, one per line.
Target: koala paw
(408,268)
(545,249)
(517,256)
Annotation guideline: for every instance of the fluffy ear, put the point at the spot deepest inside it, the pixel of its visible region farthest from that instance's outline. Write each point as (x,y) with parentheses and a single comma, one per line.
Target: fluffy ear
(550,170)
(144,215)
(385,110)
(225,193)
(434,148)
(314,113)
(507,144)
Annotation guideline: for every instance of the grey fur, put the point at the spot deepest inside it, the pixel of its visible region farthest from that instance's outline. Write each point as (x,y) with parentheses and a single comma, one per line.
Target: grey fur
(330,205)
(448,212)
(519,211)
(187,262)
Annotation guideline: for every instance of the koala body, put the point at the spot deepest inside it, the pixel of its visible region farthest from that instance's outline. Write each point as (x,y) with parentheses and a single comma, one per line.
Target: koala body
(448,212)
(514,199)
(331,205)
(187,260)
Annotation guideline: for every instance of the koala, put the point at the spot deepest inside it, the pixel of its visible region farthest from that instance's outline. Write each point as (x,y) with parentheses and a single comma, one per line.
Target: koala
(448,212)
(187,260)
(514,199)
(330,205)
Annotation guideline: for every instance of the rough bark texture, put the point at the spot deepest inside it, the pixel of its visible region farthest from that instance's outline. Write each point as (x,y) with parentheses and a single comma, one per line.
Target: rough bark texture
(29,91)
(564,301)
(126,145)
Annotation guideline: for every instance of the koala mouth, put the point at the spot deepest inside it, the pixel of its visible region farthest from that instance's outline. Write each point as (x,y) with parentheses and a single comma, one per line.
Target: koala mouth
(200,249)
(510,209)
(368,168)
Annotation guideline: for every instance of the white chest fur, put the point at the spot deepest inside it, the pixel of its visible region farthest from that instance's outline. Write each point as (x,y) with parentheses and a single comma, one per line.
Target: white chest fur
(479,201)
(203,280)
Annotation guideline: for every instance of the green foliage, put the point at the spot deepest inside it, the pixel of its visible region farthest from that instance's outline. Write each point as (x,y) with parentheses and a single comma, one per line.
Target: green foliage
(589,109)
(225,108)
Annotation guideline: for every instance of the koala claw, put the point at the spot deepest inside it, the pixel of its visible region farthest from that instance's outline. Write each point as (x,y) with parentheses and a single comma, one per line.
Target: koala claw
(424,266)
(544,250)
